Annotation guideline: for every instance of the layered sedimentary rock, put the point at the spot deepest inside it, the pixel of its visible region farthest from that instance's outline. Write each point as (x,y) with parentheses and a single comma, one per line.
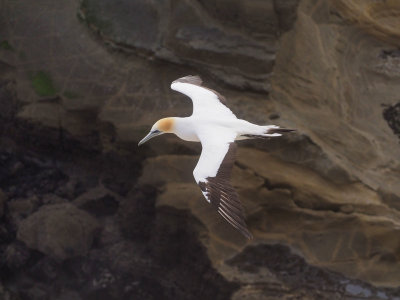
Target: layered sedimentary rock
(235,41)
(81,82)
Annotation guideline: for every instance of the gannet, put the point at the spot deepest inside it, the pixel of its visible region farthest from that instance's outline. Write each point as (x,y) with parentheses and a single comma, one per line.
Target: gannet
(216,128)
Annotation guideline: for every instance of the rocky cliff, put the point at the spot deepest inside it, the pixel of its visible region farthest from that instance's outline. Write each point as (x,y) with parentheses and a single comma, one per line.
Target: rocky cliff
(85,214)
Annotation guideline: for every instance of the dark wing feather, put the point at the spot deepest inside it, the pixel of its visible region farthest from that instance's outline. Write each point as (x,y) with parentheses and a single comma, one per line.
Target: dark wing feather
(196,80)
(223,196)
(192,79)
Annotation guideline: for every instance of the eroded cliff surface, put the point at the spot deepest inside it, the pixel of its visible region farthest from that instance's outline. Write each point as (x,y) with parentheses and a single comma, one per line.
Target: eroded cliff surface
(83,81)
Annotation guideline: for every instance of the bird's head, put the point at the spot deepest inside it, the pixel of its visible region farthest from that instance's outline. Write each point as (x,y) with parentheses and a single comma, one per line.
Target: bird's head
(162,126)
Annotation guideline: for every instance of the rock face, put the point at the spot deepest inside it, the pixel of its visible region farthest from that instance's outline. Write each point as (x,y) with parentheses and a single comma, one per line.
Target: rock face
(82,81)
(61,231)
(193,33)
(3,199)
(337,105)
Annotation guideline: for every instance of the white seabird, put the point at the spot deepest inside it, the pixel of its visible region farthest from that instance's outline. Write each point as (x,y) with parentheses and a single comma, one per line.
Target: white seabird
(216,127)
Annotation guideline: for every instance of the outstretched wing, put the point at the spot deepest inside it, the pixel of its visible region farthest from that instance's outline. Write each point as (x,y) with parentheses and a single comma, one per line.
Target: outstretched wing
(213,175)
(205,101)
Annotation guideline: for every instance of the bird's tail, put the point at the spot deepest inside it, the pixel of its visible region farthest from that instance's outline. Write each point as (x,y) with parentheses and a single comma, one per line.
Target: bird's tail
(268,132)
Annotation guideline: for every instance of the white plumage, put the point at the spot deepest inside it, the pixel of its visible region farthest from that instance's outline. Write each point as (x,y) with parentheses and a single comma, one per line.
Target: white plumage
(215,144)
(216,127)
(205,101)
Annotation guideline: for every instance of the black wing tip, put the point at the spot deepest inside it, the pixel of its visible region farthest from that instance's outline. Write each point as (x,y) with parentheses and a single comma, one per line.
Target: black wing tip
(223,196)
(193,79)
(238,225)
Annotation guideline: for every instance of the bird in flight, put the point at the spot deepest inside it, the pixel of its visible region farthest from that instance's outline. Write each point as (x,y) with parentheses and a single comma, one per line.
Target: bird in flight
(216,128)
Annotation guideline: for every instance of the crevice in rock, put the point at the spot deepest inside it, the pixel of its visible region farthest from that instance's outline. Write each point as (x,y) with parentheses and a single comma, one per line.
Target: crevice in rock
(390,53)
(281,186)
(391,113)
(316,205)
(267,183)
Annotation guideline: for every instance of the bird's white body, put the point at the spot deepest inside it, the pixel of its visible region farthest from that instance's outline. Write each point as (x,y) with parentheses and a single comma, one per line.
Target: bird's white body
(188,128)
(217,128)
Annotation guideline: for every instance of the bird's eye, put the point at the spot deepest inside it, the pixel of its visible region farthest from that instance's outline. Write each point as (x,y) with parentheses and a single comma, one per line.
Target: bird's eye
(156,131)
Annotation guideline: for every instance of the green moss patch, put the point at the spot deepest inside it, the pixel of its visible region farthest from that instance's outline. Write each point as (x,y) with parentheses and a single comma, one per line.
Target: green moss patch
(5,45)
(43,84)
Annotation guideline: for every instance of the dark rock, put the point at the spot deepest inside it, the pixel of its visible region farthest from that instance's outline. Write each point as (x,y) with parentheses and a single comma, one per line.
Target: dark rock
(392,116)
(16,167)
(19,177)
(22,207)
(16,255)
(45,269)
(111,232)
(174,245)
(287,13)
(74,188)
(258,18)
(131,15)
(6,294)
(60,231)
(211,45)
(98,201)
(241,55)
(35,292)
(68,295)
(3,199)
(5,235)
(300,276)
(137,211)
(121,171)
(53,199)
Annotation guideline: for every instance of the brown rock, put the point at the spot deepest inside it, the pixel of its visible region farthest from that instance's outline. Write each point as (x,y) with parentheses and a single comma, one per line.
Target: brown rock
(60,231)
(319,83)
(168,168)
(330,193)
(380,19)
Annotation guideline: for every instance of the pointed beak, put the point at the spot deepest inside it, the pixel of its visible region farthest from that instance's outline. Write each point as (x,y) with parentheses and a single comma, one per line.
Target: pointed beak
(150,136)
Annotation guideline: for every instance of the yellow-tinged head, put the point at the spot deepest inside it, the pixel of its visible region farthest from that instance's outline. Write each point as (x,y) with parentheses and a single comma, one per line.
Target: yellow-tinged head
(165,125)
(162,126)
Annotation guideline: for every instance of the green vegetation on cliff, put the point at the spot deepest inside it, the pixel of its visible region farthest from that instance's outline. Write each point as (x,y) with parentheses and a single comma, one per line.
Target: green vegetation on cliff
(43,84)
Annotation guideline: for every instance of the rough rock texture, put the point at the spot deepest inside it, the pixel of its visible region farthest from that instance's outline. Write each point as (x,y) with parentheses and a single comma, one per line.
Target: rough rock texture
(60,231)
(3,199)
(82,81)
(337,100)
(233,40)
